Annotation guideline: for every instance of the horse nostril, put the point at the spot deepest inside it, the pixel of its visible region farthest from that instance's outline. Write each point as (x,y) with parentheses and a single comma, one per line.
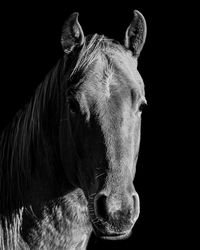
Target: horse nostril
(101,209)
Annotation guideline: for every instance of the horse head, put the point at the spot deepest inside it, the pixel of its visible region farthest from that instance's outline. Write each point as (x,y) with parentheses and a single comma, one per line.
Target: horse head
(101,133)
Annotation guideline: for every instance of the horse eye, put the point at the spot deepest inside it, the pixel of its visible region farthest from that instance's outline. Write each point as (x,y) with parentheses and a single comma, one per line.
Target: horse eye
(142,106)
(73,105)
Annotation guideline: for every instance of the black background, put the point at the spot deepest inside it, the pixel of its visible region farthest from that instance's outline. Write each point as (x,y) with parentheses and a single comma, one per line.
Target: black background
(30,47)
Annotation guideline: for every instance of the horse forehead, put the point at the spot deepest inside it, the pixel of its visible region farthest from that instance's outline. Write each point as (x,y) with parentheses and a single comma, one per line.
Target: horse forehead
(115,69)
(126,70)
(122,68)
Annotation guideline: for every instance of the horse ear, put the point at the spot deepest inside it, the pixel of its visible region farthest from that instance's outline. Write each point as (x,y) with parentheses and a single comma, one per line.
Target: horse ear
(136,34)
(72,34)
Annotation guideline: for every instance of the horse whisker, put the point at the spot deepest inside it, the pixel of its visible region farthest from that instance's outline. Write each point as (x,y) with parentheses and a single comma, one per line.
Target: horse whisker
(99,175)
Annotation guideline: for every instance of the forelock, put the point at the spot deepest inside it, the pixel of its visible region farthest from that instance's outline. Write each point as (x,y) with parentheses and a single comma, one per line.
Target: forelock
(94,48)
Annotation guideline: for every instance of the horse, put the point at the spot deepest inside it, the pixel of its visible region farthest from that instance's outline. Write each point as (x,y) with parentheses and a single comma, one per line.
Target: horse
(68,158)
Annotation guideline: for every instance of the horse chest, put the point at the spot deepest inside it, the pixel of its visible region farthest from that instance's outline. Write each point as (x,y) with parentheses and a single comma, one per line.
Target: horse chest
(67,226)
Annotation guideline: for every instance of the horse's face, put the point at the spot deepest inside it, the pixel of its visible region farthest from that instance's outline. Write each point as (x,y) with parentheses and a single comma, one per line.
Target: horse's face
(105,123)
(107,135)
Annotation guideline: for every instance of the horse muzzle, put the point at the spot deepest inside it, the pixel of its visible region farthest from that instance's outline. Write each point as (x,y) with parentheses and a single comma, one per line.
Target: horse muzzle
(113,217)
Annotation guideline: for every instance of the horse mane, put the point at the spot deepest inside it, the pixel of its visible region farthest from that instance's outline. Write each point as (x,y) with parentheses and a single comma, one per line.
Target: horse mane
(22,135)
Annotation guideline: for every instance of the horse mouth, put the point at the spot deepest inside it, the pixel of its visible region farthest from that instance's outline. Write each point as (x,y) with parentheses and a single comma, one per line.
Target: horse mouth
(106,231)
